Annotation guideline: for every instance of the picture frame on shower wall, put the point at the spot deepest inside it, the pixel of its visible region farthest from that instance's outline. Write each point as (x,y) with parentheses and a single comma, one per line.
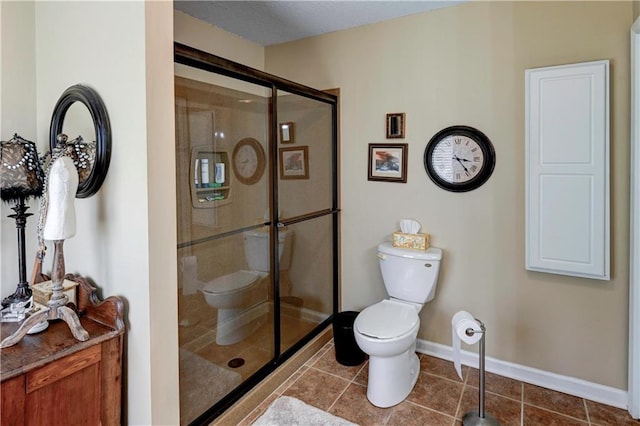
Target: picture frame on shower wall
(287,132)
(294,162)
(388,162)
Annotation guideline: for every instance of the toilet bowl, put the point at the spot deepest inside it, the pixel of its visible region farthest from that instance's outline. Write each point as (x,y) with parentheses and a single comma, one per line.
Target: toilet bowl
(240,288)
(387,330)
(235,294)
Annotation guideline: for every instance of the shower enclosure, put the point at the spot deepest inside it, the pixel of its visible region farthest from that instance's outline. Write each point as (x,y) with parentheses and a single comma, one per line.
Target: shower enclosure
(257,211)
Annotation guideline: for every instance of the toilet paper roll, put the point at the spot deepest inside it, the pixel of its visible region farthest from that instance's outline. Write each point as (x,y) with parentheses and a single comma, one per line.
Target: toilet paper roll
(460,322)
(190,283)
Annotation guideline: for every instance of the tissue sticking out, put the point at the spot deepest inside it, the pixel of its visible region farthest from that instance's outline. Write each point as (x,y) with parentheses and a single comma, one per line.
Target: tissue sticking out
(410,236)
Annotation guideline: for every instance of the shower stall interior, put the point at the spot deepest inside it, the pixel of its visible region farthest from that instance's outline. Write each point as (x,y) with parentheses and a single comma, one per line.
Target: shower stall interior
(257,221)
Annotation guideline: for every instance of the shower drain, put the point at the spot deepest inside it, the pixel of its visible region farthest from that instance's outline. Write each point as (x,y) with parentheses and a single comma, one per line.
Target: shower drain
(236,362)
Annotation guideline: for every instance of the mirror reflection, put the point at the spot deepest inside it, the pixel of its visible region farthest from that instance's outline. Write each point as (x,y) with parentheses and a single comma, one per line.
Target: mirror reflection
(81,115)
(81,143)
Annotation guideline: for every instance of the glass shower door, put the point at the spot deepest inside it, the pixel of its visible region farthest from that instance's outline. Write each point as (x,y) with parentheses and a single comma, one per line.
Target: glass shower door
(306,208)
(257,218)
(225,296)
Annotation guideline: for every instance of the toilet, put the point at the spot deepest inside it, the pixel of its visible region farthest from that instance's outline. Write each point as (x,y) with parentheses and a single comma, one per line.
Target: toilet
(234,294)
(387,330)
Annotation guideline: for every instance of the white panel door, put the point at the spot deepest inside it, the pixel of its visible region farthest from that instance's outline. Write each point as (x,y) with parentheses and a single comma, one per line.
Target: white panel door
(567,169)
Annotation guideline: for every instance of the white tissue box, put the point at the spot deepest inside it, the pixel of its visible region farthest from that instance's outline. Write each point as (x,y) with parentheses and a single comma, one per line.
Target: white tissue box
(411,241)
(43,291)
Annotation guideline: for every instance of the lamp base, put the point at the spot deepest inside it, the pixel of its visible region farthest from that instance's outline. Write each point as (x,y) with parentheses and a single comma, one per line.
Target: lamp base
(22,294)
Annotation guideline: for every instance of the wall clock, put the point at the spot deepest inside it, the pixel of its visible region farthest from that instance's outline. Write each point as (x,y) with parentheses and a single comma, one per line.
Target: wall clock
(248,161)
(459,158)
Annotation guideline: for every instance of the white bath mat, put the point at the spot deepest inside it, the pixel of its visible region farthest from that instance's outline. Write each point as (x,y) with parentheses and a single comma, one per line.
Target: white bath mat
(202,384)
(287,411)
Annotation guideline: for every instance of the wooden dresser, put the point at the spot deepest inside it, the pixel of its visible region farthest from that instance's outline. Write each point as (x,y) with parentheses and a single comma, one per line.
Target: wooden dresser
(50,378)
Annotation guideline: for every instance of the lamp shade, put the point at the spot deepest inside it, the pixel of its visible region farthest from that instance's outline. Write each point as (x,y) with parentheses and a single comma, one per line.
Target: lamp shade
(21,175)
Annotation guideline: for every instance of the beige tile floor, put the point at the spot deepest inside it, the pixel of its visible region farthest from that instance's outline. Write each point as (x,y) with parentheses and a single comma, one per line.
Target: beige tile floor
(439,397)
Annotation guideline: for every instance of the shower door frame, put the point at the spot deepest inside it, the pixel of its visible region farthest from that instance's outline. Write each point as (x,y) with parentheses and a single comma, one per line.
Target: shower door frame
(195,58)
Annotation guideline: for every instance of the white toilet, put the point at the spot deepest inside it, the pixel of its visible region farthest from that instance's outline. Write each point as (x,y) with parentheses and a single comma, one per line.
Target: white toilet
(234,294)
(387,331)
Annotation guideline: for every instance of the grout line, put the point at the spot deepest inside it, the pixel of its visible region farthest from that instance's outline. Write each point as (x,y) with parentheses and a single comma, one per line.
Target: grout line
(521,404)
(557,412)
(459,406)
(330,374)
(586,409)
(338,397)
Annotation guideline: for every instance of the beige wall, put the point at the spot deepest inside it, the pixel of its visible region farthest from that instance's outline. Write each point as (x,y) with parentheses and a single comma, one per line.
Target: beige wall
(123,242)
(636,9)
(17,106)
(465,65)
(203,36)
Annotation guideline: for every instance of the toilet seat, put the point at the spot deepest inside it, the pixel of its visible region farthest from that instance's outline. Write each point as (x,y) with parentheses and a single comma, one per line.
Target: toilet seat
(387,319)
(233,282)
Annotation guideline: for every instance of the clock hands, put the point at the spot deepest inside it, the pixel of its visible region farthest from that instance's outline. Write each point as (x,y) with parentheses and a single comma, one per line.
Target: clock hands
(460,160)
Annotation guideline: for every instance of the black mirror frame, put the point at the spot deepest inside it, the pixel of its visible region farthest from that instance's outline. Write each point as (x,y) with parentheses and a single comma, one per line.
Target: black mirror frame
(98,111)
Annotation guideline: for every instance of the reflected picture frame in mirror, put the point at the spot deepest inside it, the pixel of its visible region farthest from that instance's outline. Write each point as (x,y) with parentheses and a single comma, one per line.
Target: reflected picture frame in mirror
(294,162)
(287,132)
(395,125)
(98,161)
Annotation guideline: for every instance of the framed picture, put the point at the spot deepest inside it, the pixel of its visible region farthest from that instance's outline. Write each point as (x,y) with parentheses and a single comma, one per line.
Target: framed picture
(287,132)
(294,162)
(395,125)
(388,162)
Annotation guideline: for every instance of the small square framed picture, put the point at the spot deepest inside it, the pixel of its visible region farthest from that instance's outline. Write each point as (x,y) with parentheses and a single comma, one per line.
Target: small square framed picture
(294,162)
(388,162)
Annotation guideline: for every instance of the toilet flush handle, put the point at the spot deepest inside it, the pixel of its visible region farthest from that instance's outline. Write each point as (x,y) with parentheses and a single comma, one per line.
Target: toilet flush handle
(382,256)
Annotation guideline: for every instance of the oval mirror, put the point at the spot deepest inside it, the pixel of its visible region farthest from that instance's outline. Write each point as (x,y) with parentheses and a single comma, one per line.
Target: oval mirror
(81,114)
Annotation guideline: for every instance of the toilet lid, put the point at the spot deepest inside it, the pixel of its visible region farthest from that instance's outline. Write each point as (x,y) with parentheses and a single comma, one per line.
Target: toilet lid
(233,282)
(386,319)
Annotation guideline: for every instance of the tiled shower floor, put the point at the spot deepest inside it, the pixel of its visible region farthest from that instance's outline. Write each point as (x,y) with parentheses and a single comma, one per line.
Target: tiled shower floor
(439,397)
(198,348)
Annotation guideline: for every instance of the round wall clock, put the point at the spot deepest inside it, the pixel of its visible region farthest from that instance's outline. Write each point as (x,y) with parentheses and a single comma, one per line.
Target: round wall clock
(248,161)
(459,158)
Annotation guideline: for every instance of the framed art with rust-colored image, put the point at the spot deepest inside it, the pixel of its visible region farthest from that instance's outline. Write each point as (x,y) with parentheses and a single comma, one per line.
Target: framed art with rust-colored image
(388,162)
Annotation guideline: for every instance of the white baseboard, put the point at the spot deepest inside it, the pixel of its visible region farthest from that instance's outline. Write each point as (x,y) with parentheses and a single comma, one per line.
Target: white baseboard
(565,384)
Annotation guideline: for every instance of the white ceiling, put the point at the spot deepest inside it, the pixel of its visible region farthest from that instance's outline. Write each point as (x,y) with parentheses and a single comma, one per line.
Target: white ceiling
(269,22)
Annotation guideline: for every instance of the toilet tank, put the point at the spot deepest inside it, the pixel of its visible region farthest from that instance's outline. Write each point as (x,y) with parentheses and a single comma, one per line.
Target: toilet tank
(256,249)
(410,275)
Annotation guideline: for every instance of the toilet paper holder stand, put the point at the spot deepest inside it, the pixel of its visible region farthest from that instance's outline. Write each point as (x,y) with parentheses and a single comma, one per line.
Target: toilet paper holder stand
(480,417)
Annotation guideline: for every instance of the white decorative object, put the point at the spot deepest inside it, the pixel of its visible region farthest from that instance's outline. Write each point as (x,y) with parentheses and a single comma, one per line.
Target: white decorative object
(60,223)
(567,170)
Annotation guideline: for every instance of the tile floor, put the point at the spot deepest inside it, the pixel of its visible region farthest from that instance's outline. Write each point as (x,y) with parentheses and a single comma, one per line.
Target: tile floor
(439,397)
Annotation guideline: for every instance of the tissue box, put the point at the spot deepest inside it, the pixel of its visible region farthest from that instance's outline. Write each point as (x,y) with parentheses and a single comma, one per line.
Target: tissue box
(42,291)
(411,241)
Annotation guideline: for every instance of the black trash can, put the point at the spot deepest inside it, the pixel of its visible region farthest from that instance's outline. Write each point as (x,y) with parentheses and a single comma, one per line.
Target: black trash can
(347,350)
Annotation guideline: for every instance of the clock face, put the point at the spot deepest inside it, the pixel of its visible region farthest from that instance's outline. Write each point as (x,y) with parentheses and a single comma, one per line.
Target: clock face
(248,161)
(459,158)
